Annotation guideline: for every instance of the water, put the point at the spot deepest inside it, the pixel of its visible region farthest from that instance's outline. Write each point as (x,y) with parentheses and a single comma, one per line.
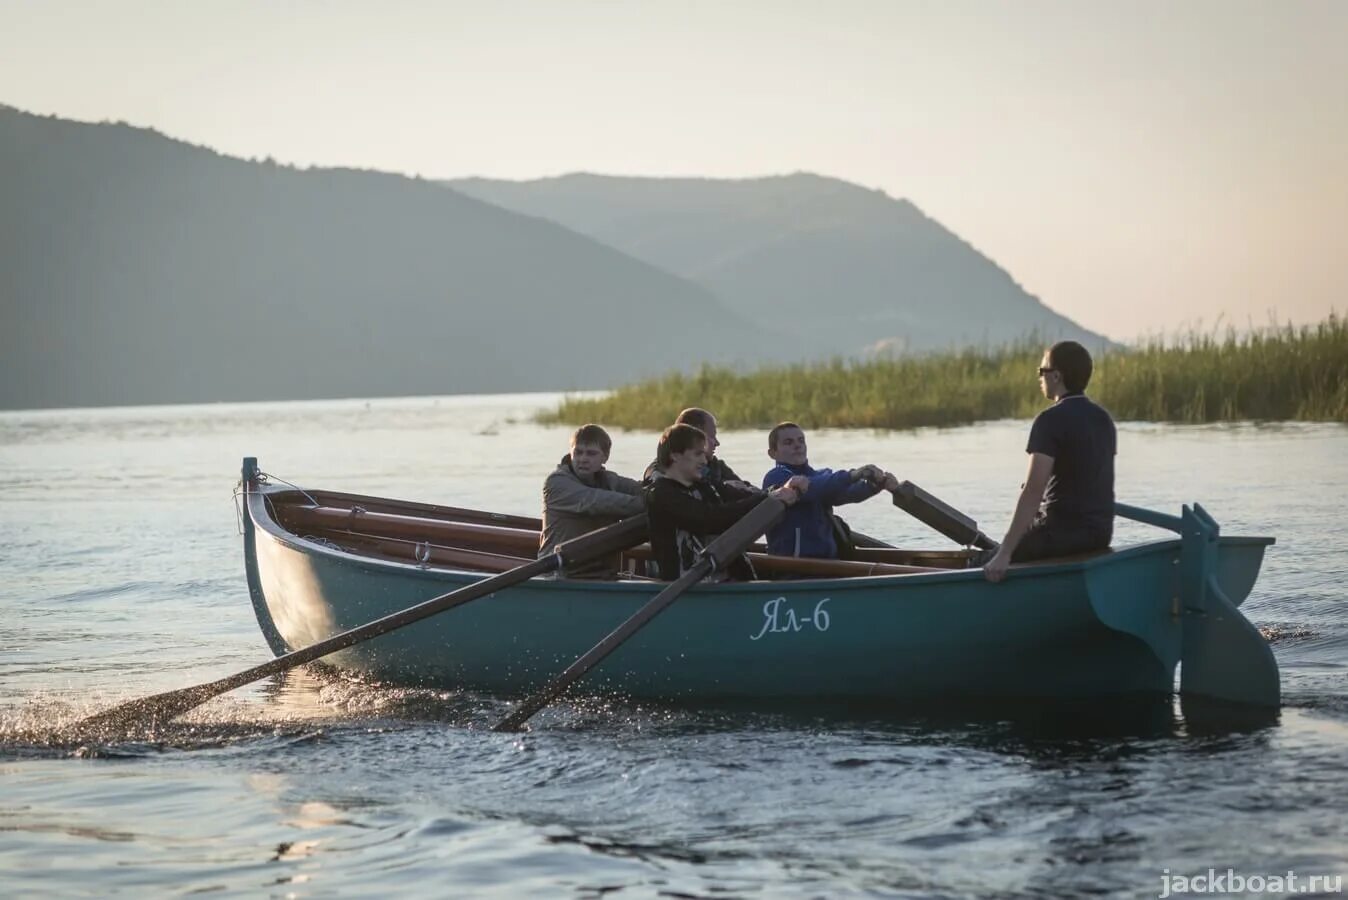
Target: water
(121,574)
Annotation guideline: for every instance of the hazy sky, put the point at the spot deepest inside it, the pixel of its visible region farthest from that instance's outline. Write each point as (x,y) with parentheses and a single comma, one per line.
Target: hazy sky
(1138,165)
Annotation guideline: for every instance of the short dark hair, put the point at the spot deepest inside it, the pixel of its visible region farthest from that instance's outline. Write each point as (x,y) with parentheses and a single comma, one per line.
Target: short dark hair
(679,438)
(695,416)
(1073,362)
(593,434)
(776,430)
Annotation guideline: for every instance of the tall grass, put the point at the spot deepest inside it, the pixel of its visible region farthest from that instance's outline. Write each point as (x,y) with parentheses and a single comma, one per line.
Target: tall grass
(1278,373)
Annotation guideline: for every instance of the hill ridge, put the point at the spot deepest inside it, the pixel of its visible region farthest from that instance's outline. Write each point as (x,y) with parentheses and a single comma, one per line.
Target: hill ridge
(142,269)
(776,248)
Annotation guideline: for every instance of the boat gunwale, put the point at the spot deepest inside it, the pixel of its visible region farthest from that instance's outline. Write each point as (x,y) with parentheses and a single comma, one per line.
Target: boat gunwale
(301,544)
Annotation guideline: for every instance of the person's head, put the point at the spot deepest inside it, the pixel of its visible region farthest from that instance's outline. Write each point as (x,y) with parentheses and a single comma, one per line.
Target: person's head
(590,446)
(1065,369)
(786,444)
(704,422)
(682,453)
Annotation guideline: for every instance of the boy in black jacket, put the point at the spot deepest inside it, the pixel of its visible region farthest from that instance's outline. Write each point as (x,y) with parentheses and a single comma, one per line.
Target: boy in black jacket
(684,513)
(717,475)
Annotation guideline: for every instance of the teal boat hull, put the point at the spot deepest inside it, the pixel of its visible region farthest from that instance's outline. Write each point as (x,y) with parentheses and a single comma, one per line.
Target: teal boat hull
(1110,625)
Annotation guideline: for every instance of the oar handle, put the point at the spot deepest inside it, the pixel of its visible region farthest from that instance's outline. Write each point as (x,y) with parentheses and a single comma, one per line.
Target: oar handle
(737,538)
(720,551)
(615,537)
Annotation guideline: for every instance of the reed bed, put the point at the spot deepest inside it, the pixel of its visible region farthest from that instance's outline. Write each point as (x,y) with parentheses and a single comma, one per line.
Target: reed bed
(1273,374)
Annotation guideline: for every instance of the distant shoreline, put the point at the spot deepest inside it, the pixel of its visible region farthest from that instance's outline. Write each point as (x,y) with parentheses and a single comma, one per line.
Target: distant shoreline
(1287,374)
(1290,373)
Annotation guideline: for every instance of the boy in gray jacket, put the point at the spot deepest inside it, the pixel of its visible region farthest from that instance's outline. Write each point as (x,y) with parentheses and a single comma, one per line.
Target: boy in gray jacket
(581,496)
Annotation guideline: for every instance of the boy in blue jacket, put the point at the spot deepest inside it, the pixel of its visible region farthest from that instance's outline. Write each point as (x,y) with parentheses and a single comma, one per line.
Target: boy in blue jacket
(807,527)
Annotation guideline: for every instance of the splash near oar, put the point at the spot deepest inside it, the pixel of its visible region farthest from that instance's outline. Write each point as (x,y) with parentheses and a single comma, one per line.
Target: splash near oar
(158,709)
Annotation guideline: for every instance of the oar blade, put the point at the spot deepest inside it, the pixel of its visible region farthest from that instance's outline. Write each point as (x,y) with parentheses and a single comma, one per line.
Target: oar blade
(150,712)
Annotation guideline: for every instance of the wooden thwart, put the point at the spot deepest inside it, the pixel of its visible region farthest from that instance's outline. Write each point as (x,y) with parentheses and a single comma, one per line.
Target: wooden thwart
(489,538)
(764,564)
(405,550)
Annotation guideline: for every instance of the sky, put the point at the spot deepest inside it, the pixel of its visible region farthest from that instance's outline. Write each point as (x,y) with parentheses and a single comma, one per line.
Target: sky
(1145,168)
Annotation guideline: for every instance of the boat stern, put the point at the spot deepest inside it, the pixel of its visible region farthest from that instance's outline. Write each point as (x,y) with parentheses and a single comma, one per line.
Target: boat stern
(1222,655)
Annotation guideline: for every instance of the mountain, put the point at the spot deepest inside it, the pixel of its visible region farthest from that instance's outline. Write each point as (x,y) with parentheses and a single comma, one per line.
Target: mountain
(139,269)
(840,268)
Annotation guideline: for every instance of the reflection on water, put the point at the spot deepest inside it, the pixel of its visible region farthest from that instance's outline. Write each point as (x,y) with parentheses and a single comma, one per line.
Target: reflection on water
(124,578)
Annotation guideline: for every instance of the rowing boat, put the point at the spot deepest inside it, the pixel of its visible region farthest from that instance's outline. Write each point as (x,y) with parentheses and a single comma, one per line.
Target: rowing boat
(900,625)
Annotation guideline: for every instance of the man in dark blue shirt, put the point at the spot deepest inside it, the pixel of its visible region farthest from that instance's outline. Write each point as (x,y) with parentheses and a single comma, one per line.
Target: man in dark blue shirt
(1066,505)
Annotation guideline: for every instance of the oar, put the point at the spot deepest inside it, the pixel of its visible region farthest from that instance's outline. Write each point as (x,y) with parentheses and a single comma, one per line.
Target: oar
(160,708)
(719,552)
(941,516)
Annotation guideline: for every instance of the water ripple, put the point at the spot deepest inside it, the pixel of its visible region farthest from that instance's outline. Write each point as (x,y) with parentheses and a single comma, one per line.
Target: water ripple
(123,578)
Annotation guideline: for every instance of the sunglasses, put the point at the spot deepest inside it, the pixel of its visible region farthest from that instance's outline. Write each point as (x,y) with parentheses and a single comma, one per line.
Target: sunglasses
(1044,370)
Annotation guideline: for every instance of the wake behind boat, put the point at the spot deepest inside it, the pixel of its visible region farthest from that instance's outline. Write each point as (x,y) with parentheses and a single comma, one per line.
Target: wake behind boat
(897,625)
